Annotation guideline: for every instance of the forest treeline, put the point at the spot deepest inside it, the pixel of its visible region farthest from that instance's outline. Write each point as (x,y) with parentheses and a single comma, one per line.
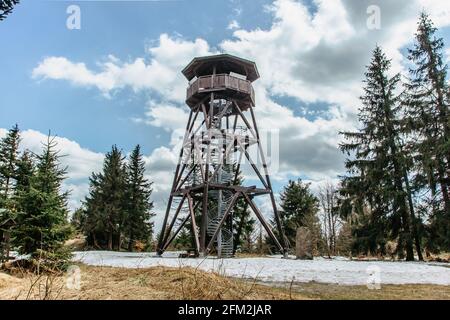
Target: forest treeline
(393,201)
(118,210)
(34,214)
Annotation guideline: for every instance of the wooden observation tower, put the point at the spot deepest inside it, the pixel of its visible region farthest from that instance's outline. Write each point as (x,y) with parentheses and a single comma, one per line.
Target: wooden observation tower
(218,137)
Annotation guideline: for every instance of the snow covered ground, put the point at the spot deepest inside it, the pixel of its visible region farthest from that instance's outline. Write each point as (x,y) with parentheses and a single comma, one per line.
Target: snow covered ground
(275,269)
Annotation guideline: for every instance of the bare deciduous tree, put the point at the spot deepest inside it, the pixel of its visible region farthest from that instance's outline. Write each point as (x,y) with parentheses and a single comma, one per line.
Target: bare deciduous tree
(331,222)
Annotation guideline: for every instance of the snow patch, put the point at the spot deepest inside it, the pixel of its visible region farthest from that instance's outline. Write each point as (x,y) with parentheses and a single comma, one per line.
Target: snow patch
(275,269)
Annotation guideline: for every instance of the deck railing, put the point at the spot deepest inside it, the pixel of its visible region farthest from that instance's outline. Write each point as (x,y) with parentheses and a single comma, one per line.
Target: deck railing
(220,82)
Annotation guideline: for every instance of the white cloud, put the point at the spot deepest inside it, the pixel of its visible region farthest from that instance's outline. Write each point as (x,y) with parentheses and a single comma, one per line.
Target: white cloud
(161,74)
(233,25)
(166,116)
(80,162)
(160,168)
(438,9)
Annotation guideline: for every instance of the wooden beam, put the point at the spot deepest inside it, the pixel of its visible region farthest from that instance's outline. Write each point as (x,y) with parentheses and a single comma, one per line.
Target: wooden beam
(263,222)
(204,222)
(174,219)
(193,121)
(236,174)
(169,203)
(194,223)
(255,168)
(187,176)
(174,235)
(244,119)
(205,114)
(179,176)
(269,184)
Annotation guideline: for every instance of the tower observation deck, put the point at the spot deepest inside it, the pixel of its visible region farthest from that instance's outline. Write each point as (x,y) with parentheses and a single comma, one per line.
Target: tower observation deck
(218,137)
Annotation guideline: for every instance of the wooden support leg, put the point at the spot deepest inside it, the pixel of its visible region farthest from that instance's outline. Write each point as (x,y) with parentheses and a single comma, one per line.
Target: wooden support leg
(174,235)
(174,219)
(194,224)
(263,222)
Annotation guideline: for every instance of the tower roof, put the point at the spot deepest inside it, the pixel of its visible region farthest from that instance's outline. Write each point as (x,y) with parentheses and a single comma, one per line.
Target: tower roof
(224,63)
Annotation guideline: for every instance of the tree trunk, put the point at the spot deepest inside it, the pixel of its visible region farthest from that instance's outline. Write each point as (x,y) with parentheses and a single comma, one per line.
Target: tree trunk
(407,232)
(400,204)
(130,242)
(94,238)
(330,231)
(334,220)
(7,188)
(110,240)
(413,219)
(444,190)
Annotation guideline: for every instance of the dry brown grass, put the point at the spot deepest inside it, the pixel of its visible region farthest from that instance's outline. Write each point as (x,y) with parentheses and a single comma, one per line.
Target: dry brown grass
(104,283)
(76,244)
(314,290)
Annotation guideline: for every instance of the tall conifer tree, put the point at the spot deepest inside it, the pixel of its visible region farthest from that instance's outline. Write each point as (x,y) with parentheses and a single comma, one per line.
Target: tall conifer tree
(377,169)
(137,223)
(6,7)
(42,205)
(428,124)
(9,155)
(105,205)
(299,208)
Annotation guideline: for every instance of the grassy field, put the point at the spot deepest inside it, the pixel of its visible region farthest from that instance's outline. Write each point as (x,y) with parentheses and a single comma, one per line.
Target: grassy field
(187,283)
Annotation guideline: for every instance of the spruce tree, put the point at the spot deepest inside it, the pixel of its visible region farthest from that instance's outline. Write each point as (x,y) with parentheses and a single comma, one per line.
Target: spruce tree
(9,154)
(378,165)
(184,240)
(428,124)
(105,205)
(24,172)
(42,205)
(6,7)
(78,219)
(93,225)
(137,224)
(299,208)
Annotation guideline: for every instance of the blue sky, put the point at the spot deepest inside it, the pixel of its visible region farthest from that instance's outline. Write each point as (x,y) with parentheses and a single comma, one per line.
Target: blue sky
(100,85)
